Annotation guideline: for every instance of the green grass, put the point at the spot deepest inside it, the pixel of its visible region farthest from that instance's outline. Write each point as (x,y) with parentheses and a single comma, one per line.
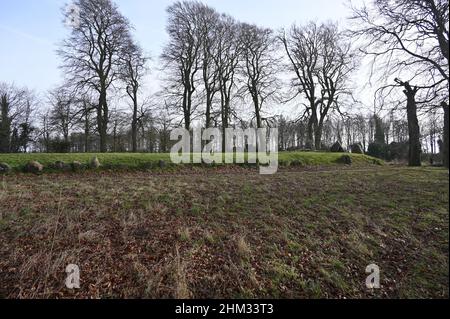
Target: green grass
(129,160)
(146,160)
(295,234)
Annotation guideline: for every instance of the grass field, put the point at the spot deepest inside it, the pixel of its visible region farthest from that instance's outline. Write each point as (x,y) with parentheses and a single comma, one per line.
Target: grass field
(232,233)
(145,161)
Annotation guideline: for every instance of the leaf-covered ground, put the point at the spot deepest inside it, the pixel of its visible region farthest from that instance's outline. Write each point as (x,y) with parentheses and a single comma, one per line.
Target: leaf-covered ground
(226,233)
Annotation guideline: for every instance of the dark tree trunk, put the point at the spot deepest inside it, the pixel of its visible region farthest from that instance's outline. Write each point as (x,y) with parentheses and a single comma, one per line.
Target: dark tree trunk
(187,121)
(224,126)
(310,134)
(312,127)
(5,126)
(415,148)
(134,123)
(318,136)
(257,110)
(102,121)
(187,104)
(445,148)
(208,110)
(86,133)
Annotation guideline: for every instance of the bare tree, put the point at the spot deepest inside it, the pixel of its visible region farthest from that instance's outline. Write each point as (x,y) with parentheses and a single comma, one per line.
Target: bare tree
(62,117)
(260,66)
(181,56)
(91,54)
(227,61)
(322,62)
(87,105)
(134,68)
(301,46)
(209,20)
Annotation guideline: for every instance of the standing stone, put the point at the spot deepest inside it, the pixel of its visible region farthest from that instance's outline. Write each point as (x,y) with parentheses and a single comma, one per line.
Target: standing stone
(357,149)
(59,165)
(95,163)
(337,148)
(345,159)
(76,166)
(34,167)
(162,164)
(4,168)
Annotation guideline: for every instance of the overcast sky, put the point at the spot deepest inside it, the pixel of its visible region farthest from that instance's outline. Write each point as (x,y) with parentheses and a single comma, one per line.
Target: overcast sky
(30,30)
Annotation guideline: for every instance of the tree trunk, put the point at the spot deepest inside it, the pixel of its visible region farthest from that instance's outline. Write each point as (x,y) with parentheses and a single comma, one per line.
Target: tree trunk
(5,126)
(224,125)
(312,127)
(415,149)
(102,121)
(134,123)
(208,109)
(445,150)
(257,111)
(86,133)
(310,134)
(318,136)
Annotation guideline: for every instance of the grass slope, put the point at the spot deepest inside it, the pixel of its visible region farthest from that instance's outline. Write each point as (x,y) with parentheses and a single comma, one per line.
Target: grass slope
(136,161)
(296,234)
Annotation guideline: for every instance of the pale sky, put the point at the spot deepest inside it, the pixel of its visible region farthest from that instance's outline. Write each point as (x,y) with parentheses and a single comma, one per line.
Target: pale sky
(30,30)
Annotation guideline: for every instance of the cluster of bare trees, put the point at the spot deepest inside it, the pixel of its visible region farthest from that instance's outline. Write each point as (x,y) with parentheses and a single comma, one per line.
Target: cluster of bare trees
(322,61)
(350,130)
(213,61)
(16,108)
(409,43)
(220,72)
(99,54)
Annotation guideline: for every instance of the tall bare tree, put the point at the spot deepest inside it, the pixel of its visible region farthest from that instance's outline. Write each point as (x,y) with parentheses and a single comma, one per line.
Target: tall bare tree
(322,62)
(209,20)
(227,60)
(260,66)
(133,70)
(62,117)
(181,56)
(91,54)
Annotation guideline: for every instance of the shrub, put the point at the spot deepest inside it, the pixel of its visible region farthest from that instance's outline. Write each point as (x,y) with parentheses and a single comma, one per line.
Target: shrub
(345,159)
(76,166)
(58,165)
(59,146)
(378,150)
(399,151)
(4,168)
(162,164)
(357,149)
(296,163)
(337,148)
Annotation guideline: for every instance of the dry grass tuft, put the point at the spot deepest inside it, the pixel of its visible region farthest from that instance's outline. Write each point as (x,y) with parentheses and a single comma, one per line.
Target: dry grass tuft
(185,234)
(209,237)
(243,249)
(181,286)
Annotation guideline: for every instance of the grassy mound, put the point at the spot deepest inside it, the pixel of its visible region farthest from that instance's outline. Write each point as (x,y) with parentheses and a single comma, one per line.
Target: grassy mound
(146,160)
